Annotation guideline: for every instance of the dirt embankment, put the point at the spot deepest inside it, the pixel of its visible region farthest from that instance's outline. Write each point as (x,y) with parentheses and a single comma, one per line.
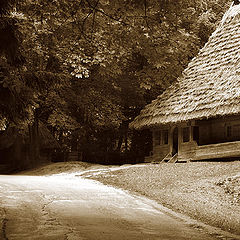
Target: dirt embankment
(206,191)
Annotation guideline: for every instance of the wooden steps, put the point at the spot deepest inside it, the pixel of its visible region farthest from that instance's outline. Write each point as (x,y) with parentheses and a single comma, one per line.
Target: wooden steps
(173,159)
(167,158)
(170,159)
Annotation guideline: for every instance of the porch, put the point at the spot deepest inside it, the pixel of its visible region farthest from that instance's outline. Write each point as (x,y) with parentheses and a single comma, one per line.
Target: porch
(219,150)
(197,140)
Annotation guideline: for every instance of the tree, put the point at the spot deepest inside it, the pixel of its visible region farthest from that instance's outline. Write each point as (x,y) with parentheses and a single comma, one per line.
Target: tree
(86,68)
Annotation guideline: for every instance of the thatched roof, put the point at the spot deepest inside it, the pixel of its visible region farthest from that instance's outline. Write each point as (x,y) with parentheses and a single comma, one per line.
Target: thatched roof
(209,86)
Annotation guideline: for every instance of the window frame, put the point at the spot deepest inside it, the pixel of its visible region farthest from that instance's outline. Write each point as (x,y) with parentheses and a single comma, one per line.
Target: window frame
(157,138)
(185,134)
(229,129)
(165,137)
(195,132)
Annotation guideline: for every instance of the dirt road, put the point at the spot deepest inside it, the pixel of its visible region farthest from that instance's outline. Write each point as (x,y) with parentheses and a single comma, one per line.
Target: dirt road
(69,208)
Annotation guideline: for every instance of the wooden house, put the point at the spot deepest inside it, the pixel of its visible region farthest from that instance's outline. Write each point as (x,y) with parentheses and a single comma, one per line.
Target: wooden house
(198,117)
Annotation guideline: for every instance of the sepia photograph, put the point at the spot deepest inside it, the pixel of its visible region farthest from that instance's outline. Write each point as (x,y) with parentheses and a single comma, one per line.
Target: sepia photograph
(120,120)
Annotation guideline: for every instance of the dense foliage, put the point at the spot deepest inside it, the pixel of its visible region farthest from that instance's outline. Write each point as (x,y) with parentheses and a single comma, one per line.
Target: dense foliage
(85,68)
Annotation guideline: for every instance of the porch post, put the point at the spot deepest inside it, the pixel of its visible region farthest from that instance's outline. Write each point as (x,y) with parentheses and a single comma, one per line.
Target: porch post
(191,134)
(170,137)
(179,138)
(192,124)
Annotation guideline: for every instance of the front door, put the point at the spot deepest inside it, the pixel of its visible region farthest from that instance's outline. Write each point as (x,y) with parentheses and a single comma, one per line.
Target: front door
(175,141)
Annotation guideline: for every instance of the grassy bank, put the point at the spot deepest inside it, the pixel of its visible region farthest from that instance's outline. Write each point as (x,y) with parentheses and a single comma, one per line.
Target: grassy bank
(206,191)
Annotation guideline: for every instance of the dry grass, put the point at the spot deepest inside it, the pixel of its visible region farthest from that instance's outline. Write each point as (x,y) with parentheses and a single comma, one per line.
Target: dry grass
(206,191)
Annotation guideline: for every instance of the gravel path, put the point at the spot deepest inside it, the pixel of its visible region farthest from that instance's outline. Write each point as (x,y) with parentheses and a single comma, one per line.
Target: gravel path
(205,191)
(67,207)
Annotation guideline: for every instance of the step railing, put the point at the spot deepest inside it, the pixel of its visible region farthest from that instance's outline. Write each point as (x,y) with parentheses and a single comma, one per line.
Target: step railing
(167,158)
(173,159)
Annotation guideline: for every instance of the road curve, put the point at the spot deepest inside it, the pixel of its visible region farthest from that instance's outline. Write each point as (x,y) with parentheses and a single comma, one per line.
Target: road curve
(61,208)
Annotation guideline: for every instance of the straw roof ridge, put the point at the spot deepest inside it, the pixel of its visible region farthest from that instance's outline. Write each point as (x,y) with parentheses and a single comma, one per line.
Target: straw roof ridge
(209,86)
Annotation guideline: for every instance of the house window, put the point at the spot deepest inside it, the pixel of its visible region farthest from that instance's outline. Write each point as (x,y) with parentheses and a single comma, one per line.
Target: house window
(229,131)
(186,134)
(157,137)
(235,133)
(165,136)
(196,134)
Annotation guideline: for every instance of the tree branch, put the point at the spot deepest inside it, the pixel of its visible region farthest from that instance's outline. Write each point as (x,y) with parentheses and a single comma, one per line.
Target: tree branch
(145,11)
(105,14)
(93,23)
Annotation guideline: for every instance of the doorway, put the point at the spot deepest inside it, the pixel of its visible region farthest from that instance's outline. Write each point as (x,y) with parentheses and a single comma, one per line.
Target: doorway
(175,141)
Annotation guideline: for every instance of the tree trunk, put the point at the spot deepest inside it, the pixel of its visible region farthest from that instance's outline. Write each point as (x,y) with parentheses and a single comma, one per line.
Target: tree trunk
(34,148)
(126,138)
(120,141)
(123,136)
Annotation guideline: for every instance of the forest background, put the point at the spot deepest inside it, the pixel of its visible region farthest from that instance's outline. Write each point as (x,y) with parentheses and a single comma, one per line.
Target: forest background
(84,69)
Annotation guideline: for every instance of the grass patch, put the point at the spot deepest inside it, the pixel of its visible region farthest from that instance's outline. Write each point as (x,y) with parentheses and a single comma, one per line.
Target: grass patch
(205,191)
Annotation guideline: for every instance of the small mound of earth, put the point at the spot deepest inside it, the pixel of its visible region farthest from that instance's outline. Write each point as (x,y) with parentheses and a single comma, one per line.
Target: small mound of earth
(231,186)
(61,168)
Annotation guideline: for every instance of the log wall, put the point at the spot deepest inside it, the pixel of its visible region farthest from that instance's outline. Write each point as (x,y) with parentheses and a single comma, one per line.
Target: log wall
(218,138)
